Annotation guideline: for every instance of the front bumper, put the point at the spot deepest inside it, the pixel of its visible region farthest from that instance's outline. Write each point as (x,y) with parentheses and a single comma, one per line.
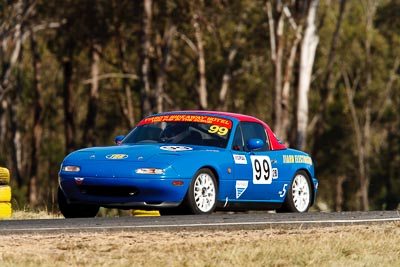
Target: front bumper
(124,192)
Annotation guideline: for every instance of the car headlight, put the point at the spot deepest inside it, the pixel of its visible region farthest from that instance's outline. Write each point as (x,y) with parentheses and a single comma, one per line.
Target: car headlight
(69,168)
(149,171)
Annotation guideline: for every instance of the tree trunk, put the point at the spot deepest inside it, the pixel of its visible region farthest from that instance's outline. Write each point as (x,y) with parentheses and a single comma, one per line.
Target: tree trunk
(226,78)
(201,63)
(126,100)
(326,90)
(33,192)
(3,122)
(163,55)
(391,165)
(282,72)
(15,39)
(16,147)
(277,48)
(69,107)
(13,102)
(145,92)
(285,98)
(359,139)
(367,144)
(307,55)
(339,199)
(89,130)
(369,29)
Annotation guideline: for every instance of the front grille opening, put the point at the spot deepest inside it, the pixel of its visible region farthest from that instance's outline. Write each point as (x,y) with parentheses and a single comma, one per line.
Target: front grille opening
(109,191)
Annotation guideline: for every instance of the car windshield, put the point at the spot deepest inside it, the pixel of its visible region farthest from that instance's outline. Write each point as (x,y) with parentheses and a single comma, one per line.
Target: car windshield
(208,131)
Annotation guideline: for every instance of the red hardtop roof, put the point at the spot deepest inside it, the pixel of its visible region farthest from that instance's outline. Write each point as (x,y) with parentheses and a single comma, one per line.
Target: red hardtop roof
(276,144)
(238,116)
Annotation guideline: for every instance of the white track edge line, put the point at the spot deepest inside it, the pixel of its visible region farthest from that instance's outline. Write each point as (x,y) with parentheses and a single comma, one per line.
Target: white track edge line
(200,225)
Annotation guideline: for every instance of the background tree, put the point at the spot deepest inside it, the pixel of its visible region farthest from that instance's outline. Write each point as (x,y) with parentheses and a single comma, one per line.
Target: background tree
(76,73)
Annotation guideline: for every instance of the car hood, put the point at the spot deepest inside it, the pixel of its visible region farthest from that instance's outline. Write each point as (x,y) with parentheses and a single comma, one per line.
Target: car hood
(133,153)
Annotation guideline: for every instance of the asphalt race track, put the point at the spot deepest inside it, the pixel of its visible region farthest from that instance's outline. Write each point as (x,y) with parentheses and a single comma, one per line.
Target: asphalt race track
(220,221)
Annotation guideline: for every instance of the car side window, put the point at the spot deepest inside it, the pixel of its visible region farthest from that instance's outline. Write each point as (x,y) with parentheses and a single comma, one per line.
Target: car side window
(238,143)
(254,130)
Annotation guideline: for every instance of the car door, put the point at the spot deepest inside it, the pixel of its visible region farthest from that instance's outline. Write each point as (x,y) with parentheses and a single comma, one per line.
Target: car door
(256,172)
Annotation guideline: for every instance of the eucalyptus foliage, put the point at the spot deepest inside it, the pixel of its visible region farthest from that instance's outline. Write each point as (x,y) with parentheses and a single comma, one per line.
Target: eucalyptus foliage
(50,49)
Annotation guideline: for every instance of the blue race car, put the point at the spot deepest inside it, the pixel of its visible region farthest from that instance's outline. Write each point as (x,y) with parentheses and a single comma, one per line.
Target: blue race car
(189,162)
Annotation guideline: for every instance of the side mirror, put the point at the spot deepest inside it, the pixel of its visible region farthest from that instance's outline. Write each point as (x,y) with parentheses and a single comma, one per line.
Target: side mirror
(118,139)
(254,144)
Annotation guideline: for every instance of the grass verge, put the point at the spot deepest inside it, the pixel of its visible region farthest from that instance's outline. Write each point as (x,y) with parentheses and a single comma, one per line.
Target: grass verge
(363,245)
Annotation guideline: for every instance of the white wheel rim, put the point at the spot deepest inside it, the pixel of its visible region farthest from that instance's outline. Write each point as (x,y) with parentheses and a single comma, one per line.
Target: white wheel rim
(300,193)
(204,192)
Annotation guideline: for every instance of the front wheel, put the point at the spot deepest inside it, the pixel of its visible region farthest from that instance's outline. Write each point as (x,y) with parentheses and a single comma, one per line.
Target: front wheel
(75,210)
(299,196)
(202,193)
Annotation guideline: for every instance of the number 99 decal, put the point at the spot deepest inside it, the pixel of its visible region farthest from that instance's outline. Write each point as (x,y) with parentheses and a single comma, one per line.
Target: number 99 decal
(218,130)
(262,170)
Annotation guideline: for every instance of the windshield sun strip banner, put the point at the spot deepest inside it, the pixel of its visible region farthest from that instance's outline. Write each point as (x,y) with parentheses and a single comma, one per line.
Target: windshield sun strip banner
(189,118)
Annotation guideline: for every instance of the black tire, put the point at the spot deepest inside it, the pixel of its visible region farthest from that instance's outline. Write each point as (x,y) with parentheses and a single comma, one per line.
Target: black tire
(75,210)
(201,197)
(299,196)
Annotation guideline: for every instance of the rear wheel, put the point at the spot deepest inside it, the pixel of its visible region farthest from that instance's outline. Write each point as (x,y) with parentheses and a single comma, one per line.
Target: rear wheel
(75,210)
(202,194)
(299,196)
